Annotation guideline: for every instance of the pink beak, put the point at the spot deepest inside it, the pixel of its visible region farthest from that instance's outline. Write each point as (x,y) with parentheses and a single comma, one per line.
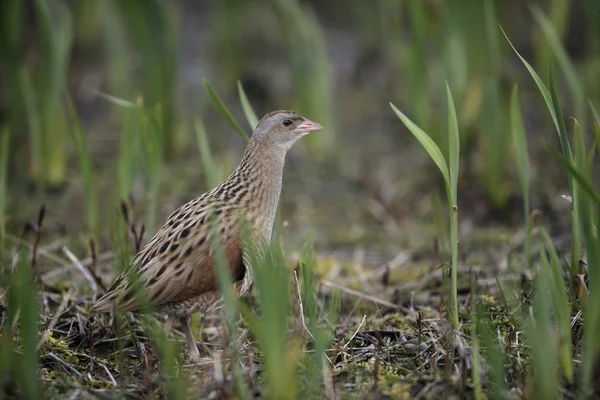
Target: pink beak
(308,126)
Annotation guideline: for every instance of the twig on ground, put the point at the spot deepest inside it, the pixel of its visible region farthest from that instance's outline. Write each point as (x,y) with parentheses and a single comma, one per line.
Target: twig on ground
(301,306)
(55,318)
(355,332)
(361,295)
(112,379)
(64,363)
(86,273)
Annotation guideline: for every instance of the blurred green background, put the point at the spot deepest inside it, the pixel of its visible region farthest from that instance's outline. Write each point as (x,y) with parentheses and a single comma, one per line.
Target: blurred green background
(104,101)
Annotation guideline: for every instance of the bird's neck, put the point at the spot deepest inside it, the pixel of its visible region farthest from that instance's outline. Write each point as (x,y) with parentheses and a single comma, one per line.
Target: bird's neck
(262,169)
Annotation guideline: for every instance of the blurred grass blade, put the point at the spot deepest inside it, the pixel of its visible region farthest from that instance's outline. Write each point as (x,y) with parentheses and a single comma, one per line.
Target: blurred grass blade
(118,101)
(476,353)
(4,148)
(522,161)
(538,81)
(281,352)
(569,71)
(212,177)
(230,305)
(220,106)
(562,129)
(87,171)
(540,336)
(34,123)
(25,298)
(129,160)
(595,113)
(562,310)
(248,110)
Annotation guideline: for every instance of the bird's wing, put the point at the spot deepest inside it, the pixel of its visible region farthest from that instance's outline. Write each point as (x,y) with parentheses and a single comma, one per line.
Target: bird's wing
(179,262)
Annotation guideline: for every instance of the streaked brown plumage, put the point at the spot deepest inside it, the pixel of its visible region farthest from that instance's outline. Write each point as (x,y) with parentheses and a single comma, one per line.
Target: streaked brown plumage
(177,268)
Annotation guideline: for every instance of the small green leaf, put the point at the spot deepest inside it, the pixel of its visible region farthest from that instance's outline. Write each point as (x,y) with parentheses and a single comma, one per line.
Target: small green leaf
(220,106)
(432,149)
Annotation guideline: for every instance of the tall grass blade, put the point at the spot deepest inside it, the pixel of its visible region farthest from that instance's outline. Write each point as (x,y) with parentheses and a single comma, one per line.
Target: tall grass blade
(87,171)
(23,291)
(208,163)
(248,110)
(522,161)
(562,129)
(538,81)
(453,154)
(577,91)
(454,143)
(476,363)
(220,106)
(4,148)
(539,333)
(129,157)
(554,277)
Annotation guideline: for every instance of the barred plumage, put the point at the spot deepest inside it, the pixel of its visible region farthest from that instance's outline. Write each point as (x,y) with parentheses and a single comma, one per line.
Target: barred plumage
(177,268)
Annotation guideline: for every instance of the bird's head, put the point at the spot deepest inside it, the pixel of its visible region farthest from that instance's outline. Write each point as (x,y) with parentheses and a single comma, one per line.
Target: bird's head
(283,128)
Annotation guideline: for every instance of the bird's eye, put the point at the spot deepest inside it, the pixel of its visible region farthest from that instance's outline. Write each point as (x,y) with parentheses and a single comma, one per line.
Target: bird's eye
(286,122)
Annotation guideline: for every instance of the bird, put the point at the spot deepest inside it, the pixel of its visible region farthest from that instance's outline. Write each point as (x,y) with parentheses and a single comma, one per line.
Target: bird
(177,268)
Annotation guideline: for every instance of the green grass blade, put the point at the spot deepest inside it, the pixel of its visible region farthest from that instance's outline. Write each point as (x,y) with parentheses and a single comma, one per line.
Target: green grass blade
(87,171)
(561,306)
(569,71)
(33,121)
(27,298)
(248,110)
(212,178)
(453,155)
(595,113)
(522,161)
(432,149)
(220,106)
(4,148)
(454,144)
(540,337)
(538,81)
(562,129)
(582,162)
